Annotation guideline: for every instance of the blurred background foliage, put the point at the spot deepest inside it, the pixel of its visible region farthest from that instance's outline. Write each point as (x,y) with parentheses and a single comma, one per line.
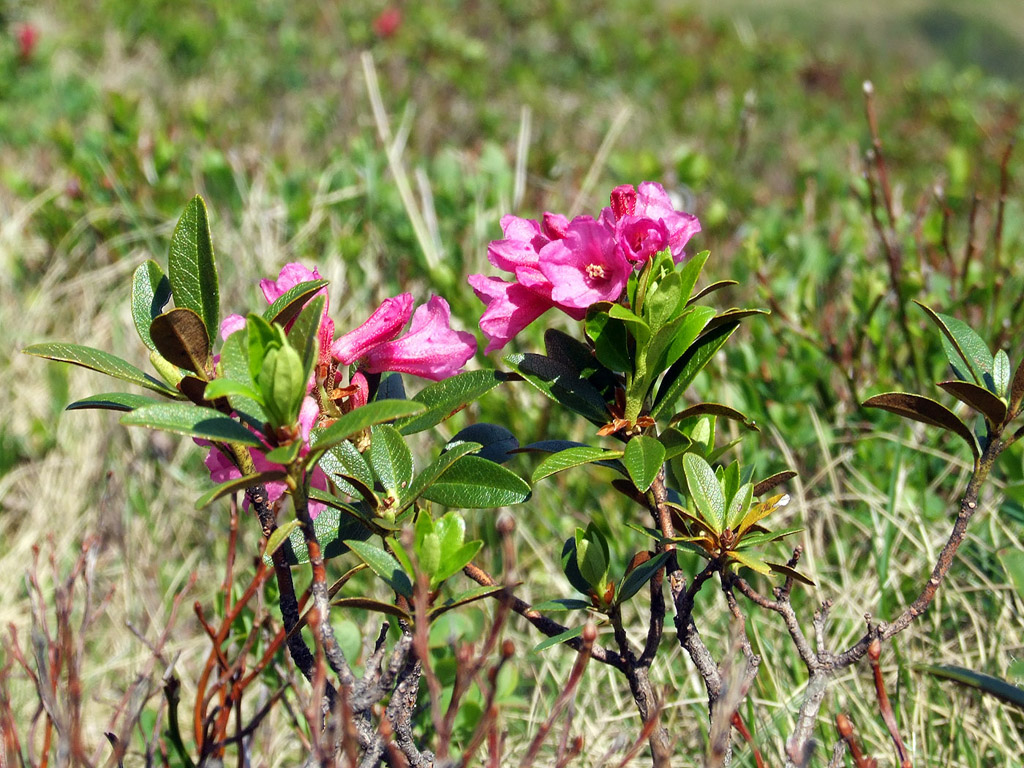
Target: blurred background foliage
(114,114)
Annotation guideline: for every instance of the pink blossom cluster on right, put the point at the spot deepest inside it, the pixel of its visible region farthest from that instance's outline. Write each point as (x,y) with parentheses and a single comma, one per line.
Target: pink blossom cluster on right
(573,264)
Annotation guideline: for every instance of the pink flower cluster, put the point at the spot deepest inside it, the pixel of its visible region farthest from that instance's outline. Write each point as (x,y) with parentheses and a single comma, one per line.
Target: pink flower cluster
(573,264)
(430,349)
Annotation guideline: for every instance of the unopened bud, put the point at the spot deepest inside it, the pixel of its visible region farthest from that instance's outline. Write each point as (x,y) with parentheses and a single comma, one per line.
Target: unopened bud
(589,632)
(844,725)
(508,649)
(623,201)
(506,524)
(875,649)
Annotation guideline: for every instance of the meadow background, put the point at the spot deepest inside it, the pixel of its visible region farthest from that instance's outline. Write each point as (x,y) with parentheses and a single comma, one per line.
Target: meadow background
(753,117)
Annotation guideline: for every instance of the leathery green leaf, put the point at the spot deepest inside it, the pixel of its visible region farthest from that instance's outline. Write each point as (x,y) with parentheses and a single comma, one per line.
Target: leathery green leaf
(191,267)
(704,489)
(384,565)
(151,290)
(643,459)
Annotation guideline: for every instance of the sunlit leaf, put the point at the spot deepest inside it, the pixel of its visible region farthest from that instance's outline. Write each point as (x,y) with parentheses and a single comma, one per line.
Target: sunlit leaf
(191,267)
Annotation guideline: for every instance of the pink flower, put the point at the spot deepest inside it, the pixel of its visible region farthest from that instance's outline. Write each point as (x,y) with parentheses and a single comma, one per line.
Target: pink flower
(430,349)
(291,275)
(510,308)
(230,324)
(223,469)
(586,266)
(387,23)
(384,324)
(28,38)
(645,222)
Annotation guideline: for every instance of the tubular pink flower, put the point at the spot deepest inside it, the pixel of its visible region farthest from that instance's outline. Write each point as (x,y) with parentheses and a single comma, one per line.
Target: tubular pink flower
(586,266)
(383,325)
(431,349)
(645,222)
(291,275)
(510,308)
(230,324)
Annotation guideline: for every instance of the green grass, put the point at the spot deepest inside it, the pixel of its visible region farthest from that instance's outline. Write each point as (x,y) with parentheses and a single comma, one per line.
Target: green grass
(262,107)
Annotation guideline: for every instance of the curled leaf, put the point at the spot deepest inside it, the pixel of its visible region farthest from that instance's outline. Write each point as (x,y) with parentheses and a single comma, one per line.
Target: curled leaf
(925,410)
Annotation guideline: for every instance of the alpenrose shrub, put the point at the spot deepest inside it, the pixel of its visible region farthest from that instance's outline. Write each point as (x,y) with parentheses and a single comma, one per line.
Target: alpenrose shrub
(313,427)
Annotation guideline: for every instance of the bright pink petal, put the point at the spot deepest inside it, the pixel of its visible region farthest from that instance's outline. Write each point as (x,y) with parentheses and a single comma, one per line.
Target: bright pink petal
(653,202)
(510,308)
(290,276)
(383,325)
(431,349)
(586,266)
(230,324)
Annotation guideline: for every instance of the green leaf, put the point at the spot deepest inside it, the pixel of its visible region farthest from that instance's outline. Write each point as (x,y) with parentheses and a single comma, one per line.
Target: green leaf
(1013,563)
(682,373)
(455,561)
(926,411)
(672,341)
(390,459)
(557,381)
(643,459)
(611,340)
(239,484)
(428,547)
(715,409)
(151,290)
(451,527)
(333,529)
(279,536)
(643,573)
(193,421)
(345,463)
(98,360)
(705,490)
(229,388)
(1001,373)
(476,483)
(966,350)
(355,421)
(497,441)
(690,272)
(473,482)
(592,556)
(675,442)
(790,573)
(444,398)
(562,604)
(569,634)
(113,401)
(993,686)
(464,598)
(571,457)
(304,333)
(753,563)
(282,382)
(289,303)
(571,569)
(285,454)
(384,565)
(180,337)
(260,338)
(704,292)
(738,505)
(978,398)
(433,472)
(191,266)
